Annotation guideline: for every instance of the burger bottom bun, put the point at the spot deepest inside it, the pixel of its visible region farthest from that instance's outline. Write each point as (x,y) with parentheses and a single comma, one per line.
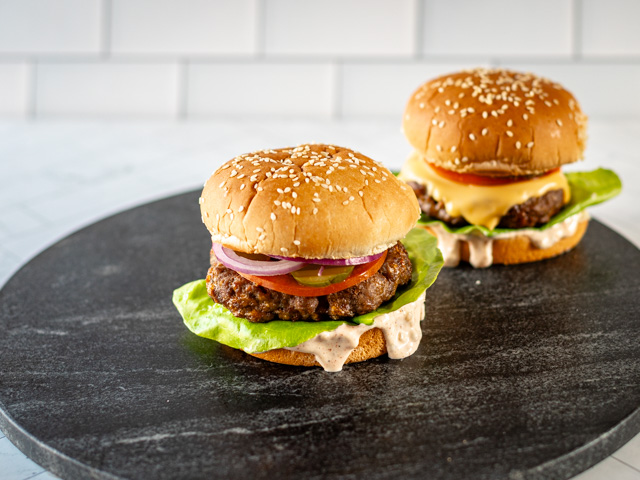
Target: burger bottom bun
(519,249)
(371,345)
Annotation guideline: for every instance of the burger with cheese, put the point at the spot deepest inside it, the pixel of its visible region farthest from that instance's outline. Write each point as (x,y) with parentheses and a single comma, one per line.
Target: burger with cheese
(315,260)
(489,144)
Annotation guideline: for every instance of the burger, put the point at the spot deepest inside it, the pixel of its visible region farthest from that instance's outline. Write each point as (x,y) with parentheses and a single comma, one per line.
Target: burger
(489,145)
(314,261)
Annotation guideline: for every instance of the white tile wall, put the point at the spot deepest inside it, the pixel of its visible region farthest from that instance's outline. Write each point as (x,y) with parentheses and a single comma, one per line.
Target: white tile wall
(315,58)
(50,26)
(498,27)
(340,27)
(603,89)
(610,27)
(269,89)
(14,89)
(383,89)
(107,89)
(185,27)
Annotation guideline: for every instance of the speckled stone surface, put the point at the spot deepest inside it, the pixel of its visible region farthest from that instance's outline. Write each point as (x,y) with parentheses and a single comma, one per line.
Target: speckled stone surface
(523,372)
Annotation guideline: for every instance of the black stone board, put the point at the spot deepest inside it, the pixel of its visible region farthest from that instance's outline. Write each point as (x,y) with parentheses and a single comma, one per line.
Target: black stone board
(529,372)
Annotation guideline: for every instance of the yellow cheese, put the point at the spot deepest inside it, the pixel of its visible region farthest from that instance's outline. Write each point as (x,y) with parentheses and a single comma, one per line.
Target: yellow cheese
(480,205)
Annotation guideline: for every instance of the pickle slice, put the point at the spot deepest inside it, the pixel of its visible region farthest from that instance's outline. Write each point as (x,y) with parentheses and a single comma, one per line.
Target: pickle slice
(309,275)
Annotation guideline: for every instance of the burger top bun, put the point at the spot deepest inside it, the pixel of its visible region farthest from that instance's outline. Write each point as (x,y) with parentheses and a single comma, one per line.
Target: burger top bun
(495,122)
(311,201)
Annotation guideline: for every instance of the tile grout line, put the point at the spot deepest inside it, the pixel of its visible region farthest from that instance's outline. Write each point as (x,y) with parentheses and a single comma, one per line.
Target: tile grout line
(569,59)
(32,100)
(337,74)
(625,463)
(576,30)
(260,29)
(105,34)
(182,110)
(418,35)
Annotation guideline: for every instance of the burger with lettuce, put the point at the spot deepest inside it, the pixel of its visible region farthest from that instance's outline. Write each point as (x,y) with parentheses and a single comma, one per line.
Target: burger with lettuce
(314,261)
(489,147)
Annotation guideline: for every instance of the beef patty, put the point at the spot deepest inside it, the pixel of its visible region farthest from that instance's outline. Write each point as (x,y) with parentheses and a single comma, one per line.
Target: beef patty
(532,213)
(259,304)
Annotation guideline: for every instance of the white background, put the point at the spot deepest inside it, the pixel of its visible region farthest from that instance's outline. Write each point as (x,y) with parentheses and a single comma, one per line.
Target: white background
(105,104)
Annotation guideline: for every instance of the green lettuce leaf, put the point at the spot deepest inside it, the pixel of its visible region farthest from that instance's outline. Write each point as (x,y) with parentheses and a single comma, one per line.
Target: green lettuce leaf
(210,320)
(587,188)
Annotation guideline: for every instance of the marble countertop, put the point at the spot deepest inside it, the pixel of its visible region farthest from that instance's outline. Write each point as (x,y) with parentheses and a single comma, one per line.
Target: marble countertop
(56,177)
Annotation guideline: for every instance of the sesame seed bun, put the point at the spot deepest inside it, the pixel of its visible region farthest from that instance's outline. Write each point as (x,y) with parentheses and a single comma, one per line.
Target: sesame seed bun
(371,345)
(311,201)
(495,122)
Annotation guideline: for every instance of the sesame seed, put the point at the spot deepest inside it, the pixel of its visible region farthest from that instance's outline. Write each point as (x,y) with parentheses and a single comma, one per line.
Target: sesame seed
(260,229)
(241,208)
(518,145)
(559,122)
(530,144)
(277,202)
(509,133)
(441,124)
(315,210)
(346,202)
(439,148)
(233,173)
(315,199)
(485,114)
(509,123)
(280,191)
(293,210)
(351,199)
(296,242)
(472,136)
(453,148)
(294,194)
(273,216)
(485,131)
(283,249)
(525,116)
(201,200)
(360,193)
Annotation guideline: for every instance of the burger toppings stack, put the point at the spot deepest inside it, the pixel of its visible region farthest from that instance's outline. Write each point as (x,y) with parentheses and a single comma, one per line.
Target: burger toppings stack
(310,264)
(489,144)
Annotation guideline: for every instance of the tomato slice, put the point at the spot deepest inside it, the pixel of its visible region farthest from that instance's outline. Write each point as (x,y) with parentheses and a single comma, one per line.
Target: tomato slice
(471,179)
(287,284)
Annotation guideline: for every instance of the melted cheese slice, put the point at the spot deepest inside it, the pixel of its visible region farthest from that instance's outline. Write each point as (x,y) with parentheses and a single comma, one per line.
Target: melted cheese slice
(480,205)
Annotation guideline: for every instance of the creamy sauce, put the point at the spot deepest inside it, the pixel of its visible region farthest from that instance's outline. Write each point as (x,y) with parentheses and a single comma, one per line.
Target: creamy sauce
(480,205)
(481,247)
(401,330)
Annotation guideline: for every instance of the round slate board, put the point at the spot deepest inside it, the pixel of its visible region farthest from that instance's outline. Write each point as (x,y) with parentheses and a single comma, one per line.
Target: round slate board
(523,372)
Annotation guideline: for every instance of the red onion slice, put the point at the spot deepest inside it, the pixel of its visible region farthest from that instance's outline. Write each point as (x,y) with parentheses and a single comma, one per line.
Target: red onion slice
(337,261)
(232,260)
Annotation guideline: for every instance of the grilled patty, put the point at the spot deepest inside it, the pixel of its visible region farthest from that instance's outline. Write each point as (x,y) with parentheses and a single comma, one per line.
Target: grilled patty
(534,212)
(259,304)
